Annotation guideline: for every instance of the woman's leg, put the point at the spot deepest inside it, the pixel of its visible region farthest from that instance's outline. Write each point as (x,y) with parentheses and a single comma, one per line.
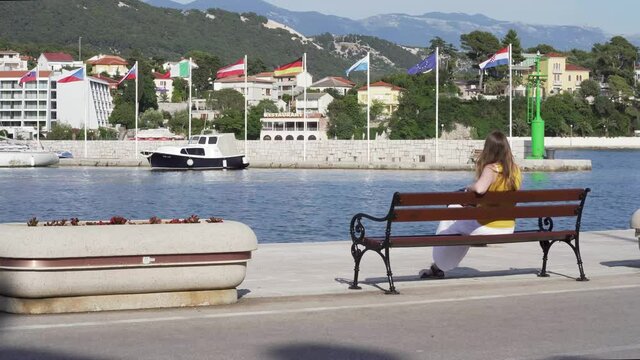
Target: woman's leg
(449,257)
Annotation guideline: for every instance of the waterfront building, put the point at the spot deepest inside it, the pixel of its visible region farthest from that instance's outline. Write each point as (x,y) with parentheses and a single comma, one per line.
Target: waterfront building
(24,109)
(57,62)
(340,85)
(316,103)
(259,88)
(291,126)
(561,75)
(71,100)
(384,93)
(12,61)
(109,64)
(164,85)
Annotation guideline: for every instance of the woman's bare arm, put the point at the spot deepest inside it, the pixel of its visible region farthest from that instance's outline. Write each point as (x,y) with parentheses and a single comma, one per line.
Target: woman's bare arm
(487,177)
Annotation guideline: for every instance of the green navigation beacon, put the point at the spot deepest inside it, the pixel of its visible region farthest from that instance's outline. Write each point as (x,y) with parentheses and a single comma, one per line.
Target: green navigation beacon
(533,111)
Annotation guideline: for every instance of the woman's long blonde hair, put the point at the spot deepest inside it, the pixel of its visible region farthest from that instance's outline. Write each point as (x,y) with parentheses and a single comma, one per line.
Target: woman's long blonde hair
(497,150)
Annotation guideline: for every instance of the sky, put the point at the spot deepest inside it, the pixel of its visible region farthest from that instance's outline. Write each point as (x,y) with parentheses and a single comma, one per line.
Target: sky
(617,17)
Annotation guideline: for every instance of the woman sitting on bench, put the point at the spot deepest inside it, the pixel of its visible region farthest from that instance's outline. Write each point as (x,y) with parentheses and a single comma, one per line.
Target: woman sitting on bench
(496,170)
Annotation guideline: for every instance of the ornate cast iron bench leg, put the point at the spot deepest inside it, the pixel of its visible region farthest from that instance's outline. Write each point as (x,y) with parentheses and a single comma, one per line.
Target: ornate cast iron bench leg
(387,263)
(357,256)
(546,245)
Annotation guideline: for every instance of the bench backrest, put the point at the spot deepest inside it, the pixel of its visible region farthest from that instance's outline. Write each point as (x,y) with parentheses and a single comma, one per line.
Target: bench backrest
(407,207)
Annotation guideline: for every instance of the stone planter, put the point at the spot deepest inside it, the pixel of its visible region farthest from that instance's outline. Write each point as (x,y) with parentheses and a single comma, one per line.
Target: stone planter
(52,269)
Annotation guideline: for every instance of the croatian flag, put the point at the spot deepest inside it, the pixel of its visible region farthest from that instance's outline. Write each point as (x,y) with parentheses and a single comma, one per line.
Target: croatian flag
(77,75)
(29,77)
(499,58)
(360,65)
(236,68)
(132,74)
(424,66)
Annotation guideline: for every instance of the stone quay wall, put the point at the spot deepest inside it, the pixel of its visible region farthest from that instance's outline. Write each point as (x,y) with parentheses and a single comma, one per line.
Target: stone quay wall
(589,142)
(325,151)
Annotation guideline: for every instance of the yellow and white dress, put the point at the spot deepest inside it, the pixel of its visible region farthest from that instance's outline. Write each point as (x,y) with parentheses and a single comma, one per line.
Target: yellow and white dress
(449,257)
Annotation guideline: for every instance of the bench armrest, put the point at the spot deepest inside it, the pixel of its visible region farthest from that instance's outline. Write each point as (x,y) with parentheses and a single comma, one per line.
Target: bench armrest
(357,230)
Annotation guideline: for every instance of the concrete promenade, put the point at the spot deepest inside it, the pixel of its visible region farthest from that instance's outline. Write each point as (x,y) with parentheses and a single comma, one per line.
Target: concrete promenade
(295,304)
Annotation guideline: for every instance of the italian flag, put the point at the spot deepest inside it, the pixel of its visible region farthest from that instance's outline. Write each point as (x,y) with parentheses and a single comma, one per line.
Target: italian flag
(234,69)
(292,68)
(180,69)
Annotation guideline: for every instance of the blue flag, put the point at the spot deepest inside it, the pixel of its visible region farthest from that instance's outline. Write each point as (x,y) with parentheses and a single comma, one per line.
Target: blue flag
(360,65)
(423,66)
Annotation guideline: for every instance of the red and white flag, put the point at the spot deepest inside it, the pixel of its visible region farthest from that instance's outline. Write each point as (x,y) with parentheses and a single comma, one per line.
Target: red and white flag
(234,69)
(29,77)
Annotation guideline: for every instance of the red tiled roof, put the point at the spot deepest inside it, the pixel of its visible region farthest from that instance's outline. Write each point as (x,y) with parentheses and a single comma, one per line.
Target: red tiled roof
(383,84)
(572,67)
(59,57)
(343,80)
(265,74)
(555,55)
(105,78)
(20,73)
(109,60)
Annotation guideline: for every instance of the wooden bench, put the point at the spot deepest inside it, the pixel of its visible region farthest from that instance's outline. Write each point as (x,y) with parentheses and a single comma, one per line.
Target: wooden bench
(420,207)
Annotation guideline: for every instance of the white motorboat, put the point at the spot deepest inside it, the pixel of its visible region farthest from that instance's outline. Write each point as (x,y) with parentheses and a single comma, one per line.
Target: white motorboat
(203,152)
(15,153)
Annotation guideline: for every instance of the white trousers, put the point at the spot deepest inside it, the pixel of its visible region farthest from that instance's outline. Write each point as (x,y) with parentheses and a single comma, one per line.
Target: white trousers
(448,257)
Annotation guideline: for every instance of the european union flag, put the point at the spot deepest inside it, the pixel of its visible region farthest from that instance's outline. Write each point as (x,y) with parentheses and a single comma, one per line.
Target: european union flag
(425,65)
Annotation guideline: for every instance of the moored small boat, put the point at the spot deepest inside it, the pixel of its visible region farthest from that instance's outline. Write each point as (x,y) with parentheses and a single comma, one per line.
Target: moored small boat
(203,152)
(19,154)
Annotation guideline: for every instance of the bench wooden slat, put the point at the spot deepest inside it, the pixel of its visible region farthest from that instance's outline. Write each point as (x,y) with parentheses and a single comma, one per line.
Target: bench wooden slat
(521,196)
(464,213)
(444,240)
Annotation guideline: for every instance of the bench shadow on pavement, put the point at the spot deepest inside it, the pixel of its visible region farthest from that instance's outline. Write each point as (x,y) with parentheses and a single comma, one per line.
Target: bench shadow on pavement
(318,351)
(628,263)
(37,354)
(458,273)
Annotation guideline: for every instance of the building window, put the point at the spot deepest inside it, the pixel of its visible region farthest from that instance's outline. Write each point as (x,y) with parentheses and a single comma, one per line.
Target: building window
(300,137)
(569,77)
(312,137)
(266,137)
(289,137)
(278,137)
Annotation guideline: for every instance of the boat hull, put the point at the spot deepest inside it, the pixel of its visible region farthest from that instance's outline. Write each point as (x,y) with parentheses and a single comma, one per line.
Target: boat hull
(27,158)
(163,161)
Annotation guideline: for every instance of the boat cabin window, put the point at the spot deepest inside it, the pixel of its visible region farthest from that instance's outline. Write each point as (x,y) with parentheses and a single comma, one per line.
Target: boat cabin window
(194,140)
(213,140)
(193,151)
(203,140)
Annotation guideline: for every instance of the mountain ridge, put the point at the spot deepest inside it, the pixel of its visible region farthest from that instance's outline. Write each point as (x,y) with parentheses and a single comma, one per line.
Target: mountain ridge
(416,30)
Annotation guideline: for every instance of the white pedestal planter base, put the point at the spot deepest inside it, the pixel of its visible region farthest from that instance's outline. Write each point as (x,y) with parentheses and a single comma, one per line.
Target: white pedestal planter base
(57,305)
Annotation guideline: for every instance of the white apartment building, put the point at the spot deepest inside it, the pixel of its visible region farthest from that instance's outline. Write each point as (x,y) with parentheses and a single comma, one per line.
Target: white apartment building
(258,88)
(12,61)
(57,61)
(292,84)
(316,103)
(71,100)
(291,126)
(24,109)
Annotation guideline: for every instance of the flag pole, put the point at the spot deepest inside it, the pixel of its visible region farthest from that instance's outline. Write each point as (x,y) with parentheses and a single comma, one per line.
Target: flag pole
(368,105)
(37,106)
(189,105)
(304,109)
(246,94)
(437,102)
(137,107)
(86,107)
(510,95)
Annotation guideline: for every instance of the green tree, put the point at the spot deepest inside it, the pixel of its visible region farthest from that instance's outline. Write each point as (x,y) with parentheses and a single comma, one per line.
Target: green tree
(255,114)
(346,117)
(619,88)
(151,119)
(542,48)
(615,57)
(60,131)
(180,90)
(231,121)
(479,45)
(256,66)
(226,99)
(589,88)
(179,122)
(204,75)
(124,114)
(516,49)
